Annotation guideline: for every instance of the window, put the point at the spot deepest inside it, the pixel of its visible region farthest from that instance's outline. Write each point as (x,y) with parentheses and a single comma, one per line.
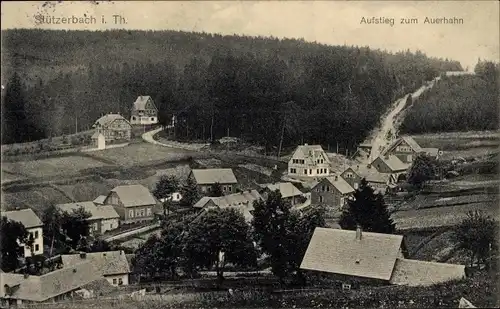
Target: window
(131,213)
(292,171)
(229,188)
(36,235)
(152,119)
(120,281)
(143,212)
(137,213)
(114,281)
(323,188)
(317,171)
(224,188)
(320,199)
(148,211)
(37,247)
(133,118)
(305,172)
(310,171)
(327,188)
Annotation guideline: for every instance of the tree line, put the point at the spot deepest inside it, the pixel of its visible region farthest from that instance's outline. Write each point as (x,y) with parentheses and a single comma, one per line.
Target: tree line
(247,87)
(458,103)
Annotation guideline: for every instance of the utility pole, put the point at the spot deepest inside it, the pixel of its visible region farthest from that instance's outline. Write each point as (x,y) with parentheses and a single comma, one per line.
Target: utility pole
(337,146)
(281,140)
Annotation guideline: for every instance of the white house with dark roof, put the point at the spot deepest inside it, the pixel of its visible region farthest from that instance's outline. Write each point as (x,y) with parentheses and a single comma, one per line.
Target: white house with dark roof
(289,192)
(33,225)
(206,178)
(243,202)
(309,161)
(18,290)
(133,203)
(353,255)
(332,192)
(112,127)
(113,265)
(103,218)
(144,111)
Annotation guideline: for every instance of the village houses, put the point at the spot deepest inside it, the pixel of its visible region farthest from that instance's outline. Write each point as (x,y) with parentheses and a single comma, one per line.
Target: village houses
(20,290)
(33,225)
(133,203)
(144,111)
(113,265)
(372,257)
(102,218)
(309,161)
(332,191)
(113,127)
(289,192)
(392,165)
(242,202)
(406,148)
(377,180)
(206,178)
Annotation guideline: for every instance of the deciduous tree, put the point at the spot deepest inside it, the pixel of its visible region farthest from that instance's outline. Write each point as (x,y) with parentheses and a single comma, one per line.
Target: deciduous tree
(13,234)
(190,193)
(422,170)
(478,234)
(216,190)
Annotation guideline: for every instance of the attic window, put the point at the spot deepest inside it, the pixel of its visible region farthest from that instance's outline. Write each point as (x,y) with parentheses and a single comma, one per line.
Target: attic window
(74,270)
(357,261)
(104,254)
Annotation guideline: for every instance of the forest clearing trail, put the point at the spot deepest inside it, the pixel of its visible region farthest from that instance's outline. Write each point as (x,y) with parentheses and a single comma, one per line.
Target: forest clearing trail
(380,137)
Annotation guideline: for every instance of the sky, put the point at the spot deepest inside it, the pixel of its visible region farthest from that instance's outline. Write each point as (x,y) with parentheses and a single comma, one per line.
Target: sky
(329,22)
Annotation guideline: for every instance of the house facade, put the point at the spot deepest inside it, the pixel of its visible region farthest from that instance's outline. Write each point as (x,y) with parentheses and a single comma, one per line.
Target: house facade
(133,203)
(309,161)
(113,127)
(405,148)
(102,218)
(206,178)
(332,192)
(112,265)
(391,164)
(33,225)
(144,111)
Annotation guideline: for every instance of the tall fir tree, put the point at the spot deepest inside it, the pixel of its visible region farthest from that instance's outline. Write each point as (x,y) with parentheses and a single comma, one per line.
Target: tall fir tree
(368,210)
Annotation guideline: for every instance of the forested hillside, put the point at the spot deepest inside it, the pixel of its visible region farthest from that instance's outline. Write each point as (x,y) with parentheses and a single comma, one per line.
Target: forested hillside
(250,87)
(458,103)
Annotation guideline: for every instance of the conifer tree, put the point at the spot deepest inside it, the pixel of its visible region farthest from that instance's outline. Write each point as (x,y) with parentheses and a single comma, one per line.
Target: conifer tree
(368,210)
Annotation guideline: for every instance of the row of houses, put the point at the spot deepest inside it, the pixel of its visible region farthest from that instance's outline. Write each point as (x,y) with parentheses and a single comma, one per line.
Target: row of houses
(80,275)
(311,163)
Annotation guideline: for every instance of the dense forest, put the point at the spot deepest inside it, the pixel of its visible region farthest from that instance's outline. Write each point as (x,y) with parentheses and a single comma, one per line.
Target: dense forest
(251,87)
(458,103)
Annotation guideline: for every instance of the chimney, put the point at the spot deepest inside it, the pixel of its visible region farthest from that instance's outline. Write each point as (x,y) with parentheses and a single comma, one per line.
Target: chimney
(83,255)
(357,167)
(358,232)
(336,177)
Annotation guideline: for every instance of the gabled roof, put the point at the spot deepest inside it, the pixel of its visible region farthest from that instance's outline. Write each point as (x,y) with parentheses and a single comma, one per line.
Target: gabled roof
(287,189)
(370,174)
(140,102)
(414,272)
(214,175)
(87,206)
(310,153)
(242,202)
(134,195)
(394,163)
(100,199)
(339,183)
(408,139)
(107,212)
(26,216)
(106,120)
(108,263)
(338,251)
(58,282)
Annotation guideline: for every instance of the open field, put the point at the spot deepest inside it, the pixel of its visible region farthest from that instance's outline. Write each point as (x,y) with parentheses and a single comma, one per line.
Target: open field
(64,165)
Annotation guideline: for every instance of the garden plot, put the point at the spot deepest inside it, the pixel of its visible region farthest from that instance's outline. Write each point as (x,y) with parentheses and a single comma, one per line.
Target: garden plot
(257,168)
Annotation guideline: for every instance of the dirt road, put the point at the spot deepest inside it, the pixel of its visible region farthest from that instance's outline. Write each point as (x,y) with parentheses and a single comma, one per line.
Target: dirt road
(391,120)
